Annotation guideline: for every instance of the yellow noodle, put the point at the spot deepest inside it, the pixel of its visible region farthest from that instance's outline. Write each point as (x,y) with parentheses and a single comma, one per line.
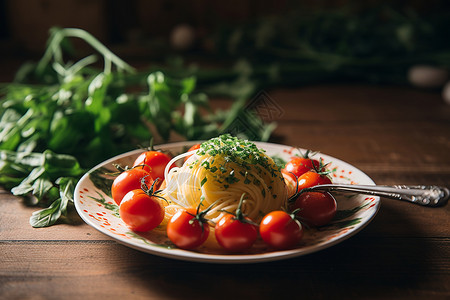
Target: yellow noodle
(220,172)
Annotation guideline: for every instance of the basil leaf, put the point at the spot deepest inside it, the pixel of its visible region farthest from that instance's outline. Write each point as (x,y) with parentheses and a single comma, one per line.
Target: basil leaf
(11,174)
(26,185)
(73,116)
(47,216)
(66,191)
(61,164)
(41,186)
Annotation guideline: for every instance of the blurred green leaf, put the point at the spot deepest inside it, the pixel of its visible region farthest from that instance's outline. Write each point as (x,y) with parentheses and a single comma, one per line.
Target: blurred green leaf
(60,118)
(66,191)
(48,216)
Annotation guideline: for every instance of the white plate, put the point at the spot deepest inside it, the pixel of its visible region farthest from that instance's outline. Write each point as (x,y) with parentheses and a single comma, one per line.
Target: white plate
(96,208)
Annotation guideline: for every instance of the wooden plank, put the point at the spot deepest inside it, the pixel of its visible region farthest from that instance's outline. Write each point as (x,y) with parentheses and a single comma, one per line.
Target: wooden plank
(14,216)
(362,103)
(397,267)
(401,219)
(394,144)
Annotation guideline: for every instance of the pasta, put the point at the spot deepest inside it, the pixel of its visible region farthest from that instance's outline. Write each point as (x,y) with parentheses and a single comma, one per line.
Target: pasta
(220,172)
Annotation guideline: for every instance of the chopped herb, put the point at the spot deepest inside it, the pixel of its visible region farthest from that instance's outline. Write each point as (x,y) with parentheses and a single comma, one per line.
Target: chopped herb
(231,178)
(233,151)
(279,161)
(246,179)
(239,151)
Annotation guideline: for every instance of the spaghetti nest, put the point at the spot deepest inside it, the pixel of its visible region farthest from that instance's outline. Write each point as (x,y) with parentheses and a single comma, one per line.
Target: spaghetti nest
(220,172)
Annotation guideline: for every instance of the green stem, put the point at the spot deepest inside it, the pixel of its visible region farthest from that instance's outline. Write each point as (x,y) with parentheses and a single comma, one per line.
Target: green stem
(54,50)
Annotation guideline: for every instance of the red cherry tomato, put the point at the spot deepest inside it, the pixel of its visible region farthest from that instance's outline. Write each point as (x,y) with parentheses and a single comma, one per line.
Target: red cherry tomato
(280,230)
(312,178)
(140,211)
(300,165)
(154,162)
(235,235)
(127,181)
(186,230)
(194,147)
(316,208)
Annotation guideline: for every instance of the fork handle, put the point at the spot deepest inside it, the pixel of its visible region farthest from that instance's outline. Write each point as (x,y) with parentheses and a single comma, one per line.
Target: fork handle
(419,194)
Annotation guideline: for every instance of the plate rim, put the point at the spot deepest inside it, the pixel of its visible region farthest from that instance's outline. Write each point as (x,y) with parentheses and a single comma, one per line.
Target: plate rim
(194,256)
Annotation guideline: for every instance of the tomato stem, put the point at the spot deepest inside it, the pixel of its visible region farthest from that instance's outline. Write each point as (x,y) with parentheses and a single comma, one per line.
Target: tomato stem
(294,216)
(149,148)
(308,154)
(150,191)
(321,169)
(200,215)
(120,168)
(238,214)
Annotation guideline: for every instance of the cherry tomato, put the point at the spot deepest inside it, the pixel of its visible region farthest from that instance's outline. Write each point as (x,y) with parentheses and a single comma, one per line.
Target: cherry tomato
(312,178)
(280,230)
(300,165)
(127,181)
(140,211)
(235,235)
(315,208)
(154,162)
(194,147)
(187,230)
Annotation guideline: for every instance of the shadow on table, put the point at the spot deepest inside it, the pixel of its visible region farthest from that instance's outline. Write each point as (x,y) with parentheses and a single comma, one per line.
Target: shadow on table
(366,264)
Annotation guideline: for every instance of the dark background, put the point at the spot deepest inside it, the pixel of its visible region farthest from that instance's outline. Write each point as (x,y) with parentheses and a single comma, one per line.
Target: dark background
(139,30)
(24,24)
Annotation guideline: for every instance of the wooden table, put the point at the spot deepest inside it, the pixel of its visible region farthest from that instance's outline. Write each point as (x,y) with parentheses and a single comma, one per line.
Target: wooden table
(397,135)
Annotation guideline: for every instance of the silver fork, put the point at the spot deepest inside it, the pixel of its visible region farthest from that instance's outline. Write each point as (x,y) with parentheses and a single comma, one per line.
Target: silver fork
(433,196)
